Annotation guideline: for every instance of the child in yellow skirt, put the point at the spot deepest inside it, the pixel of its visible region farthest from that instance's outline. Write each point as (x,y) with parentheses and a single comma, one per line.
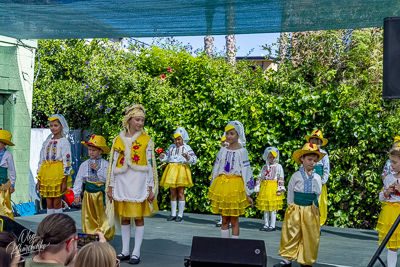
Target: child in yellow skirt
(391,210)
(270,188)
(232,180)
(387,169)
(300,230)
(177,175)
(93,172)
(132,182)
(323,169)
(224,143)
(7,181)
(54,175)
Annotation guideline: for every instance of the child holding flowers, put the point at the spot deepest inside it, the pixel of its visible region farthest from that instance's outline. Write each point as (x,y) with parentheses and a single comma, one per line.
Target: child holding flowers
(300,230)
(270,188)
(93,172)
(132,183)
(54,175)
(391,210)
(232,180)
(7,174)
(177,175)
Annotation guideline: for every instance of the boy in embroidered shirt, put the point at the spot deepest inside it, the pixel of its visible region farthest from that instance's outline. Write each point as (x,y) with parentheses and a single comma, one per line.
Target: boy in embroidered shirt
(177,175)
(93,172)
(300,230)
(323,169)
(7,182)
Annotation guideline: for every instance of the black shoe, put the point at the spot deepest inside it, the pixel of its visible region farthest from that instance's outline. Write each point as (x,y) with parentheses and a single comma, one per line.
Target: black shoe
(178,219)
(123,257)
(264,228)
(218,224)
(283,264)
(271,229)
(171,218)
(134,260)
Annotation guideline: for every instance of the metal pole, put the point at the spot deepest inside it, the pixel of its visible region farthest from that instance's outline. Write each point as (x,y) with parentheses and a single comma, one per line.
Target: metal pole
(383,244)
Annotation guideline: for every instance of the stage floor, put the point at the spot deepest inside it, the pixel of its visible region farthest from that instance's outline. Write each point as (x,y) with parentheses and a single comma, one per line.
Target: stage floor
(167,243)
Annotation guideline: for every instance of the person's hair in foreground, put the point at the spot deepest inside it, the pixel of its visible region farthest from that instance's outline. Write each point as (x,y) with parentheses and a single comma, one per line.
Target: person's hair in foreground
(96,254)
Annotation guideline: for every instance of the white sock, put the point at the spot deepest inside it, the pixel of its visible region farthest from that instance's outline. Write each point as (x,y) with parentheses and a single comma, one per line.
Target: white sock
(235,236)
(181,208)
(273,218)
(50,211)
(173,208)
(139,232)
(266,218)
(225,233)
(126,238)
(286,261)
(391,258)
(58,210)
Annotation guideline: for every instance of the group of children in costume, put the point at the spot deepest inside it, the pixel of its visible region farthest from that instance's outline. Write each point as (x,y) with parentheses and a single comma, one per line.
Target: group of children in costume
(122,191)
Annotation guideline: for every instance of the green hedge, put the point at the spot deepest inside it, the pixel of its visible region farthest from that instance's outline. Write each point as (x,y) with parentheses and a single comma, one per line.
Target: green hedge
(322,82)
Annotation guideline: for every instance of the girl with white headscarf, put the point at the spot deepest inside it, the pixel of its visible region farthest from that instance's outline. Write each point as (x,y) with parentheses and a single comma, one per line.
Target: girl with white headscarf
(177,175)
(232,180)
(54,170)
(270,188)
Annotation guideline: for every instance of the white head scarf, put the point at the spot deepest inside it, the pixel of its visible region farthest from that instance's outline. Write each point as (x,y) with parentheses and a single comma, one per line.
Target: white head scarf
(268,150)
(64,124)
(240,130)
(183,133)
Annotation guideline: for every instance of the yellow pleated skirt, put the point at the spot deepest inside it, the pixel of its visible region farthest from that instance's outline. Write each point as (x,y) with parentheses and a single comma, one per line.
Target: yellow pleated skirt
(389,213)
(94,218)
(176,175)
(228,196)
(267,199)
(51,176)
(133,210)
(300,235)
(5,201)
(323,205)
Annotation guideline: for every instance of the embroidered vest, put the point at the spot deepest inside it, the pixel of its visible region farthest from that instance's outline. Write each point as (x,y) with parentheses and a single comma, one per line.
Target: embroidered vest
(138,151)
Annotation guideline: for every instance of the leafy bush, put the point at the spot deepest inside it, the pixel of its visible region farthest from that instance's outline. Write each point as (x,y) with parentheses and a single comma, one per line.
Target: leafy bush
(323,82)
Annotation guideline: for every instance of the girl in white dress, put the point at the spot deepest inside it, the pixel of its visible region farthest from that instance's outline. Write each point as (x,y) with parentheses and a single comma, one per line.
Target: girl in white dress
(132,182)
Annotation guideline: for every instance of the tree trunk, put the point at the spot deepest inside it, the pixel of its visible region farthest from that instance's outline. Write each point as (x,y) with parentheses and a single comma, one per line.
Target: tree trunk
(209,45)
(230,49)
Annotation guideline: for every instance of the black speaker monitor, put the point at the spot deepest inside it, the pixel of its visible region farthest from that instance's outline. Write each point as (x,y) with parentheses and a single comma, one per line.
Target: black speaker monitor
(223,252)
(391,58)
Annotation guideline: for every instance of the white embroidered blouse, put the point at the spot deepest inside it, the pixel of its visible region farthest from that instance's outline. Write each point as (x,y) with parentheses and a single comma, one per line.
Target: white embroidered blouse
(272,172)
(174,155)
(86,173)
(394,196)
(234,162)
(298,184)
(56,150)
